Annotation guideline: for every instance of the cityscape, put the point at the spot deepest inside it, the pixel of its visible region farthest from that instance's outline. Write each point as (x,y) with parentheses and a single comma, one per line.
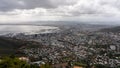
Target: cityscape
(59,34)
(70,46)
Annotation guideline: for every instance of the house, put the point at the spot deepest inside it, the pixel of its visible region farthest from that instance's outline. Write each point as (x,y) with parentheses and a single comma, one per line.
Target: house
(24,59)
(78,67)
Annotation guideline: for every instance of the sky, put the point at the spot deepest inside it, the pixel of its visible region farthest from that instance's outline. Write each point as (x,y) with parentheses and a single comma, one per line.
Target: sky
(59,10)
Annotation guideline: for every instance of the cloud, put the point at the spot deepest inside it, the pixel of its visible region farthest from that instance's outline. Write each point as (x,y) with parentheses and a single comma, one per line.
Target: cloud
(77,10)
(6,5)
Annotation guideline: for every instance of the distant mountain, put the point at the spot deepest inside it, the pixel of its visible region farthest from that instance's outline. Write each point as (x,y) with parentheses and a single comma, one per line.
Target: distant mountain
(112,29)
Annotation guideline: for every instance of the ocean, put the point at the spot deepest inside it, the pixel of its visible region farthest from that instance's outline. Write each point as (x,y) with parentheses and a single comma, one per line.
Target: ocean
(27,29)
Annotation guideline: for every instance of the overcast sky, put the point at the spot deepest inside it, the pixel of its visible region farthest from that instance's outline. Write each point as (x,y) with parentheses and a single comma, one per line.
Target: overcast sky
(59,10)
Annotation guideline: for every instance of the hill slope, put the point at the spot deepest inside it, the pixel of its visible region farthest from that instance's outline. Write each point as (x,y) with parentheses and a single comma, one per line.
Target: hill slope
(112,29)
(10,46)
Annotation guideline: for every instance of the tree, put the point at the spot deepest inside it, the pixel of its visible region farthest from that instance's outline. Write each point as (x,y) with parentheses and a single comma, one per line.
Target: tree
(8,62)
(45,66)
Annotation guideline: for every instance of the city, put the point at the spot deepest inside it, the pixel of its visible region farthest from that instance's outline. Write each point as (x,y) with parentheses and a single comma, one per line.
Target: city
(71,47)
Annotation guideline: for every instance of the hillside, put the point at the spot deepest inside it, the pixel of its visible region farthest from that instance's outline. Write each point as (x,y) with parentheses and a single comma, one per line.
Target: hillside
(10,46)
(112,29)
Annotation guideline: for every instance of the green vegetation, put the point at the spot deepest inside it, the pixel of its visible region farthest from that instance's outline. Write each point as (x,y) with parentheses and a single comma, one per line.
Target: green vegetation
(13,62)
